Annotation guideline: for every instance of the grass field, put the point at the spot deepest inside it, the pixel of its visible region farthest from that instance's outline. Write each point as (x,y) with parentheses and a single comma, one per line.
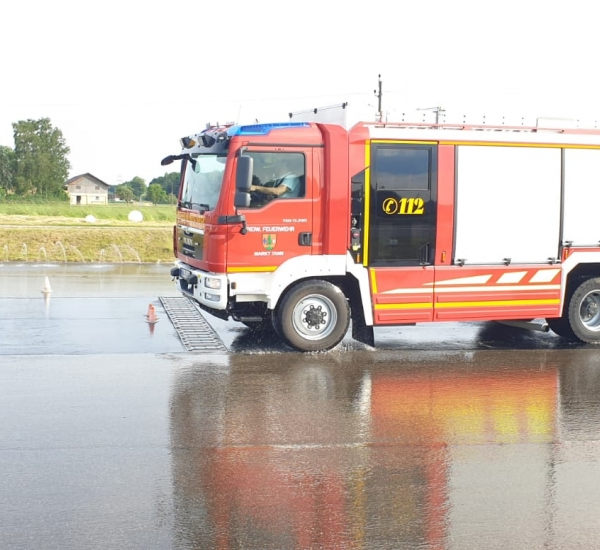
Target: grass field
(63,213)
(58,233)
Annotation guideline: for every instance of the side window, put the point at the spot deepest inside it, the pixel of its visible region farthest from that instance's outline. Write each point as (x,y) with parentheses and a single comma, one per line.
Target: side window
(403,169)
(277,176)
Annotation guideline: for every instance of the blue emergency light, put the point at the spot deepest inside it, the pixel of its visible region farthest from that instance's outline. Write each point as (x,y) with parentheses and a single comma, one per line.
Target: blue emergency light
(263,129)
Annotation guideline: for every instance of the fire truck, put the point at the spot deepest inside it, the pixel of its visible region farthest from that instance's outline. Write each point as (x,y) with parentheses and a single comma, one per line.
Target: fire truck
(305,227)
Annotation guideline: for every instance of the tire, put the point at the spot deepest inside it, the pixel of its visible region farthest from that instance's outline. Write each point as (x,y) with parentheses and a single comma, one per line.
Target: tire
(313,316)
(561,327)
(266,325)
(584,311)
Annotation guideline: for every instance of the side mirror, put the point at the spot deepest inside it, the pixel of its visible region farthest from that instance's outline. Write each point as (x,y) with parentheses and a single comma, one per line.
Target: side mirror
(243,176)
(241,199)
(167,160)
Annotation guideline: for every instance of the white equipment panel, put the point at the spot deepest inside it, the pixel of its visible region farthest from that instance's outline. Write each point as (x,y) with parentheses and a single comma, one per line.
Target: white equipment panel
(508,204)
(582,197)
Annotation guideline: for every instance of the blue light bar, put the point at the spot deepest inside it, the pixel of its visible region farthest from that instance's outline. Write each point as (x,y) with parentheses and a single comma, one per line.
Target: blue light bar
(264,129)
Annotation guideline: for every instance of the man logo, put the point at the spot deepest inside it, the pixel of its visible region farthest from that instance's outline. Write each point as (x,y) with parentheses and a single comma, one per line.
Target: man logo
(269,241)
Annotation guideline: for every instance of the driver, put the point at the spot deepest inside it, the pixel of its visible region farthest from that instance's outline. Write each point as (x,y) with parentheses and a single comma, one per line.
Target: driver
(287,185)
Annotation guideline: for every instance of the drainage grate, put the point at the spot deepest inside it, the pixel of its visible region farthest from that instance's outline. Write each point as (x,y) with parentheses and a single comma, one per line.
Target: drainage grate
(193,330)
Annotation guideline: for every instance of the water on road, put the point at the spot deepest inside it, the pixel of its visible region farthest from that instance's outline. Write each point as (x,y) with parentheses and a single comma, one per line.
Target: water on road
(450,436)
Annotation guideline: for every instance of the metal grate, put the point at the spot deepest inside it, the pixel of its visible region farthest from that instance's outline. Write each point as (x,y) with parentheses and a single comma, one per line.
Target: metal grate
(193,330)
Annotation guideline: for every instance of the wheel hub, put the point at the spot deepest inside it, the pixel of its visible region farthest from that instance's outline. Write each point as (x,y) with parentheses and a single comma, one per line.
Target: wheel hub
(314,317)
(591,310)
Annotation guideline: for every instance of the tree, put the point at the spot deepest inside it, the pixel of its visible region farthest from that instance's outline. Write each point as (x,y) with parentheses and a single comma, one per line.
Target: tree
(7,170)
(157,194)
(137,186)
(169,182)
(41,164)
(125,193)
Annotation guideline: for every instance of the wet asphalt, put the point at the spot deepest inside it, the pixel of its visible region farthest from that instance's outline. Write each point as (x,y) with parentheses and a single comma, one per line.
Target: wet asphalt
(445,436)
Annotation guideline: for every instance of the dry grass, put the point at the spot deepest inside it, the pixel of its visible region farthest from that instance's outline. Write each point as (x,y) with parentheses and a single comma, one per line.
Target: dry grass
(87,244)
(57,221)
(65,214)
(58,232)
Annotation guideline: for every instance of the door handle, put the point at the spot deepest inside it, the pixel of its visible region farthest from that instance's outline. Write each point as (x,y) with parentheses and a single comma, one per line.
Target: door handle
(305,239)
(424,255)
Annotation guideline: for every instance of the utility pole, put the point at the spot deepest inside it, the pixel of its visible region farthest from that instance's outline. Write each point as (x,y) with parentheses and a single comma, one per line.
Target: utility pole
(379,94)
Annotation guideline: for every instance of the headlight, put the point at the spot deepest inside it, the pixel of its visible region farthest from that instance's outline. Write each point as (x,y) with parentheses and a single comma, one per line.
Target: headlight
(210,282)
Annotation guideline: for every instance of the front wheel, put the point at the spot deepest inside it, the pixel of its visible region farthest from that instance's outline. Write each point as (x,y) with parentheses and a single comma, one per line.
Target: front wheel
(584,311)
(314,316)
(265,325)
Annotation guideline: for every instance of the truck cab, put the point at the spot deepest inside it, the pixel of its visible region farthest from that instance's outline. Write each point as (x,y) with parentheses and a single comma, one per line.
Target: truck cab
(242,244)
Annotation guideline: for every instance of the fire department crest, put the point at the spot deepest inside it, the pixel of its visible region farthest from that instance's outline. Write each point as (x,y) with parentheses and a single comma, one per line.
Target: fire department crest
(269,241)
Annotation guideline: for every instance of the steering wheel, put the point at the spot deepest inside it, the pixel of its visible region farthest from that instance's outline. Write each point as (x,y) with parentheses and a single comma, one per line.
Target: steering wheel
(259,199)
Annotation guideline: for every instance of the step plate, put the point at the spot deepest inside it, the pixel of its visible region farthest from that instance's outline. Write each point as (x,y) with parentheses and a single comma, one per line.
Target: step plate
(193,330)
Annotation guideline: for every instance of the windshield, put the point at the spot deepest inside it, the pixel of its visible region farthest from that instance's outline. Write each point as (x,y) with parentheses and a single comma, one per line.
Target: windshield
(202,181)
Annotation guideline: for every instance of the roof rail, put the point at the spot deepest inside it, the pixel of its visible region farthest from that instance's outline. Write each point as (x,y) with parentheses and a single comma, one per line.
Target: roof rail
(480,127)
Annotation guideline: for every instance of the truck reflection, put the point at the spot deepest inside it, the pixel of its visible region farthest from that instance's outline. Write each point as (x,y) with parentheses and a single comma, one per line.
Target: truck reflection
(324,453)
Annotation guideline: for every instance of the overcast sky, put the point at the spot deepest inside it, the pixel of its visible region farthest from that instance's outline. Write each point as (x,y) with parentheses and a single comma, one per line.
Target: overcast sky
(124,80)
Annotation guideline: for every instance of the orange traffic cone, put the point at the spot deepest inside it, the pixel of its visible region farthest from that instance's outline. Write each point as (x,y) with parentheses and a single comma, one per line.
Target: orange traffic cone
(151,316)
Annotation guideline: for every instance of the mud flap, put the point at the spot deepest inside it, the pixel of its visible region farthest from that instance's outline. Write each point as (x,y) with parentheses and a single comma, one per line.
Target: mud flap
(361,332)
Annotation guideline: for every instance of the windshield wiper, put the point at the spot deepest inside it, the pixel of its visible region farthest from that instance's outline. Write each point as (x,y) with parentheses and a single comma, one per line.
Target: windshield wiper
(201,207)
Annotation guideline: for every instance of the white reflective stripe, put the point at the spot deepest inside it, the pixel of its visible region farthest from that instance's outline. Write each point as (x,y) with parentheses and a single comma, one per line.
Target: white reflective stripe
(520,288)
(475,280)
(514,277)
(423,290)
(544,275)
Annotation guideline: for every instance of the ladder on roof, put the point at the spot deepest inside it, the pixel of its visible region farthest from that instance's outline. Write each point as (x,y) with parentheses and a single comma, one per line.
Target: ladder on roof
(482,128)
(432,118)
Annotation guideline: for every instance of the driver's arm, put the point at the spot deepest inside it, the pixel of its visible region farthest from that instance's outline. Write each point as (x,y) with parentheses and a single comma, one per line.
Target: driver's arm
(276,191)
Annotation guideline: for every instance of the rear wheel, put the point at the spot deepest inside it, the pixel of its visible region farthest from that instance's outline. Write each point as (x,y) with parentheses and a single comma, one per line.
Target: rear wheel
(562,327)
(314,316)
(584,311)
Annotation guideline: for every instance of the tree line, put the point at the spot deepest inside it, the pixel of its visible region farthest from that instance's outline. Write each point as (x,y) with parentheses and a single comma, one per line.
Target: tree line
(161,190)
(38,168)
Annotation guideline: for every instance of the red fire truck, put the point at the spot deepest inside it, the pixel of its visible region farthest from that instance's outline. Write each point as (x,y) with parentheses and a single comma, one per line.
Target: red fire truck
(303,227)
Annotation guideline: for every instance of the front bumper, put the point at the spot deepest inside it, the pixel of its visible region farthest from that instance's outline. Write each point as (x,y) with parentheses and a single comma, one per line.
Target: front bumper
(208,289)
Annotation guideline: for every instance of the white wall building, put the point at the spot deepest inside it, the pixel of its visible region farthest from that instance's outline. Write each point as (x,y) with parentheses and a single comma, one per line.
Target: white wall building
(87,189)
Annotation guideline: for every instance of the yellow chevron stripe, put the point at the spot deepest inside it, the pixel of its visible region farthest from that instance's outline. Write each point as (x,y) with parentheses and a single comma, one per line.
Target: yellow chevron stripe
(367,222)
(255,269)
(520,144)
(409,142)
(373,281)
(404,306)
(499,303)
